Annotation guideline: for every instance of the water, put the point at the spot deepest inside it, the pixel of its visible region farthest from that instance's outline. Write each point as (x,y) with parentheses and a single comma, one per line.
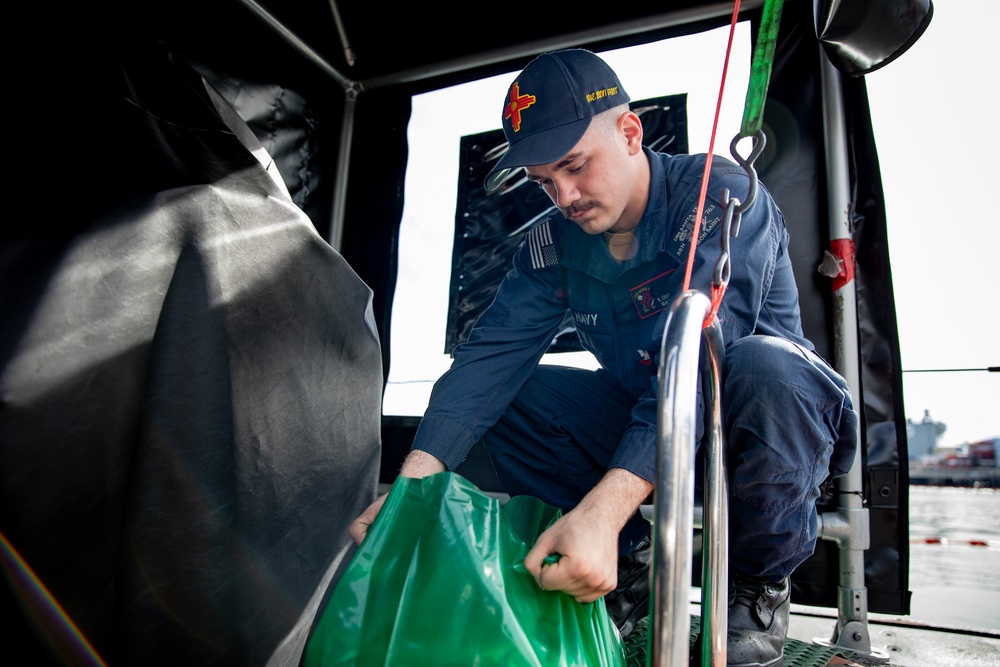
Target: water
(956,583)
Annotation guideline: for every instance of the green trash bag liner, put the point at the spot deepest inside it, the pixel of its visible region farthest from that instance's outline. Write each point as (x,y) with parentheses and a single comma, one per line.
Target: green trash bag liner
(440,580)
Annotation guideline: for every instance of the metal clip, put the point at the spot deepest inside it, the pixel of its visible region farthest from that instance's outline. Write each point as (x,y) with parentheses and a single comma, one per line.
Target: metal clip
(723,267)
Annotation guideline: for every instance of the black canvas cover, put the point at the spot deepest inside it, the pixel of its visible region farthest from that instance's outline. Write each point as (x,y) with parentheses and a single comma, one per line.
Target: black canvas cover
(190,381)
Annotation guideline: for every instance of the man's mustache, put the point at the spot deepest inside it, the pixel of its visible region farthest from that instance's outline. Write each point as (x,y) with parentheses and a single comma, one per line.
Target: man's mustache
(579,207)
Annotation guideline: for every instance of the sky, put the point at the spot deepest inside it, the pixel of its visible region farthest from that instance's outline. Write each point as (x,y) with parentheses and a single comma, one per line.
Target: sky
(934,119)
(929,113)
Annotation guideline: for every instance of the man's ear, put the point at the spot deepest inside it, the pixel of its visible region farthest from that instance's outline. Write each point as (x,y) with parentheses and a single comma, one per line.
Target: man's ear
(631,127)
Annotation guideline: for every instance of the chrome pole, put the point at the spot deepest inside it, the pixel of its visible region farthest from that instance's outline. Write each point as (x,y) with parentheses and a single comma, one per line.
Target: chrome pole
(673,508)
(715,515)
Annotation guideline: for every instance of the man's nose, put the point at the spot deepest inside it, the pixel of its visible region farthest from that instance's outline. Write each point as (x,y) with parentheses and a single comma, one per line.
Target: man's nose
(566,191)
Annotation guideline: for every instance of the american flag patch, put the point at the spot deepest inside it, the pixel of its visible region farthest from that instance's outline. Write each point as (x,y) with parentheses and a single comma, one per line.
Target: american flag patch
(540,246)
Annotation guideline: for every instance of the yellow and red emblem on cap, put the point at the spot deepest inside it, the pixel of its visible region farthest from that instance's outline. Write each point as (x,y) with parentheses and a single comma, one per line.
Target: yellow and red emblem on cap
(516,105)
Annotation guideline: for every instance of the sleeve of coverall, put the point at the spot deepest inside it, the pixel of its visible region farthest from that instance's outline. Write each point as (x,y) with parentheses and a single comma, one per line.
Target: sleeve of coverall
(752,253)
(490,368)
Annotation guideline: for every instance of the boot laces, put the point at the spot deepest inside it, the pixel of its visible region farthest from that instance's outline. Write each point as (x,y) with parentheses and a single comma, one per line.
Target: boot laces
(747,588)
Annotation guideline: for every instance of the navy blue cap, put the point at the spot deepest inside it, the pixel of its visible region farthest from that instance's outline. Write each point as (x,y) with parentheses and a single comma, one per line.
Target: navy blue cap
(549,107)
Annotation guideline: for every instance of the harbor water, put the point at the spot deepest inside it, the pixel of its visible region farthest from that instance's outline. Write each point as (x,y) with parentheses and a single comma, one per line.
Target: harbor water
(955,556)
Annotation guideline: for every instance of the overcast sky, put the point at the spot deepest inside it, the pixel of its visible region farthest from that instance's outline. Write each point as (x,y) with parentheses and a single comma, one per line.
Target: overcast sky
(936,130)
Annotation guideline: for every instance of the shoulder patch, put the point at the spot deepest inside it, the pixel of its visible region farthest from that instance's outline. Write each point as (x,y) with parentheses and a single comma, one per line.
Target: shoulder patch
(711,217)
(541,247)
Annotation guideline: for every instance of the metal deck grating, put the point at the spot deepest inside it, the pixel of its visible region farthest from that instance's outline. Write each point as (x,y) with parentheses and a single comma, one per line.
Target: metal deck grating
(797,653)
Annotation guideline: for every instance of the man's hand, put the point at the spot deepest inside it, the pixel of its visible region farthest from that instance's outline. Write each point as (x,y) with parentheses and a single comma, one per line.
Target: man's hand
(586,539)
(359,527)
(587,567)
(417,464)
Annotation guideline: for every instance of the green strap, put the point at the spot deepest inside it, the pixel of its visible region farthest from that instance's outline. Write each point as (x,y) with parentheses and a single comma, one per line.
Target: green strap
(760,69)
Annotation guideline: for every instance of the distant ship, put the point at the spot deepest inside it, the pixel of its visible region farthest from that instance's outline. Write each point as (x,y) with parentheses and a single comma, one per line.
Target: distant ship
(972,464)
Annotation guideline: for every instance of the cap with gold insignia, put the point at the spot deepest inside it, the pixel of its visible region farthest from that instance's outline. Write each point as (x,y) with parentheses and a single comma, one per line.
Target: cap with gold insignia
(549,106)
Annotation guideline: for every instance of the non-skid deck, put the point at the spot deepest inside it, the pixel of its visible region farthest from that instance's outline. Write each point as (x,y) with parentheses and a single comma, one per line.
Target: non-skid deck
(895,642)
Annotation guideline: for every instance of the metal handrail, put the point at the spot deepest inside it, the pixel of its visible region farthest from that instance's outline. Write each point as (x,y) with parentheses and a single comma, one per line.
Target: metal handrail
(685,340)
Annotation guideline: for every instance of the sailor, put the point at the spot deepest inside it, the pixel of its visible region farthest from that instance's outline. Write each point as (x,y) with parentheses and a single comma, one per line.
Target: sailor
(585,440)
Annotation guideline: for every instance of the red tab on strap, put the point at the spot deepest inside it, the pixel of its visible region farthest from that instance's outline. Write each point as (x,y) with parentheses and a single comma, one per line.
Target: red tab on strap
(843,251)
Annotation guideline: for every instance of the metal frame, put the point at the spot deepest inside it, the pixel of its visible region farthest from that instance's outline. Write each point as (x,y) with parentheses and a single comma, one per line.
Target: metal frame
(354,88)
(849,526)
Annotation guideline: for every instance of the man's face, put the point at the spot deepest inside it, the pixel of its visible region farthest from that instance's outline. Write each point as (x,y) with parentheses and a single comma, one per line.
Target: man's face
(591,184)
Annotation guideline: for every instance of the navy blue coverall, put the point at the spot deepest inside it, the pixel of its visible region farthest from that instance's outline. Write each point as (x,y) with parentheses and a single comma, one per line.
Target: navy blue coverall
(552,431)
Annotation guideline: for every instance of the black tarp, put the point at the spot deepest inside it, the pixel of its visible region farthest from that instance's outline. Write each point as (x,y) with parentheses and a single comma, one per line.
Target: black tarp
(190,381)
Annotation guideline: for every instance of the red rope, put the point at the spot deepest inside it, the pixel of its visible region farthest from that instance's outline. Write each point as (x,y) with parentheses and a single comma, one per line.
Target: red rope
(717,290)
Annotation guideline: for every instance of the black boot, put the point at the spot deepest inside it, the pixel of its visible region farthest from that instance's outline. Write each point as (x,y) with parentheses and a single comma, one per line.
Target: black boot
(758,621)
(629,602)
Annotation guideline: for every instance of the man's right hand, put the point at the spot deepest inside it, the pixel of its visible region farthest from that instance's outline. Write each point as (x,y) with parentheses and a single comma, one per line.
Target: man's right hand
(418,463)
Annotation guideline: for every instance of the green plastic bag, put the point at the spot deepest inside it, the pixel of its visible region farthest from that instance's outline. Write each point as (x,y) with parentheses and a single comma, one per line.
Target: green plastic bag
(440,580)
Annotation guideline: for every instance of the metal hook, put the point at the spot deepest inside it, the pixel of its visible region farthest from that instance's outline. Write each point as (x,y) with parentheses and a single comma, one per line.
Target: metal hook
(758,147)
